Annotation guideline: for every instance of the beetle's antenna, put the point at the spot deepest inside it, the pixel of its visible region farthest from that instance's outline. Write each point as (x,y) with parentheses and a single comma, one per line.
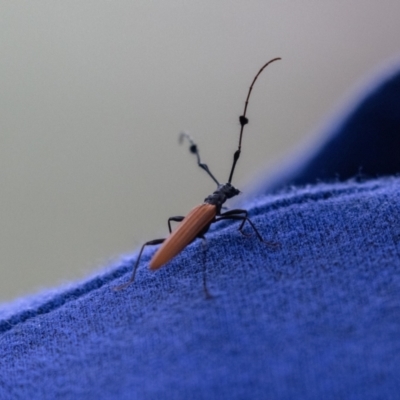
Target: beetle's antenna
(194,149)
(243,120)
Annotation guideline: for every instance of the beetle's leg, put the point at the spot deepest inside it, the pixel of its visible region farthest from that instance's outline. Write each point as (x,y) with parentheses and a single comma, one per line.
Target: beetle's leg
(149,243)
(235,211)
(235,214)
(206,292)
(176,219)
(244,217)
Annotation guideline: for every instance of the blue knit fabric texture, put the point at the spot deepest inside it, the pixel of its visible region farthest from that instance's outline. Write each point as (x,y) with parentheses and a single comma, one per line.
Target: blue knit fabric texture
(316,318)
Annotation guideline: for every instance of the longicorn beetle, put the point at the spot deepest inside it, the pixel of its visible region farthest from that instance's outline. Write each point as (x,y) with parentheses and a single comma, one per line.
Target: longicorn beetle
(198,221)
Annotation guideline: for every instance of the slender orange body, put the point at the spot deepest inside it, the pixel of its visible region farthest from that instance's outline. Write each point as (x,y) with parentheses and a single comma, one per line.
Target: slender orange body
(185,233)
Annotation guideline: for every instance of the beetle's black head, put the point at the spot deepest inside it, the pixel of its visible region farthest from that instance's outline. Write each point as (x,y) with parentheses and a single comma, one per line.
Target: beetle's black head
(228,190)
(223,193)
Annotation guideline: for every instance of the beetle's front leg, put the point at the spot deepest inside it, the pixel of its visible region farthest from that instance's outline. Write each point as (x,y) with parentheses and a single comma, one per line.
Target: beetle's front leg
(241,215)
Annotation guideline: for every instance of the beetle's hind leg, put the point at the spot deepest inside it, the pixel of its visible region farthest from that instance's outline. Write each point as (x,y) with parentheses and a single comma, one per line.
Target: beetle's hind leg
(206,291)
(149,243)
(242,215)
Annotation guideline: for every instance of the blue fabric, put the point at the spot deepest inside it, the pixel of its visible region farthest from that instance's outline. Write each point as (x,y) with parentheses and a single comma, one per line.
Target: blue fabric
(362,142)
(316,318)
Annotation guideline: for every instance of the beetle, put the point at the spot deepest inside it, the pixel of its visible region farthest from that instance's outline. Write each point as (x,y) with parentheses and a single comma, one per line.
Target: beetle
(197,222)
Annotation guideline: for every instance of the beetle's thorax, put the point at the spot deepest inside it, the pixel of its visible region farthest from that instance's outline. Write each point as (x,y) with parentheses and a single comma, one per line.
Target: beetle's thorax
(223,193)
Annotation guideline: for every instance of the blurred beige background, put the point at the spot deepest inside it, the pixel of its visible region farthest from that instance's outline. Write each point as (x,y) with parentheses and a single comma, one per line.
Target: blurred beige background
(94,93)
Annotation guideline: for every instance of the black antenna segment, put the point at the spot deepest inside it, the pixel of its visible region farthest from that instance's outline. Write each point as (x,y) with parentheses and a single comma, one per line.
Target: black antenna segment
(194,149)
(243,120)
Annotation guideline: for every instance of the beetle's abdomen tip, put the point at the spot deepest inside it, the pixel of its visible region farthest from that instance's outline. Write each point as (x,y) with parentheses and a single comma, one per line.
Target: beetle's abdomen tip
(154,266)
